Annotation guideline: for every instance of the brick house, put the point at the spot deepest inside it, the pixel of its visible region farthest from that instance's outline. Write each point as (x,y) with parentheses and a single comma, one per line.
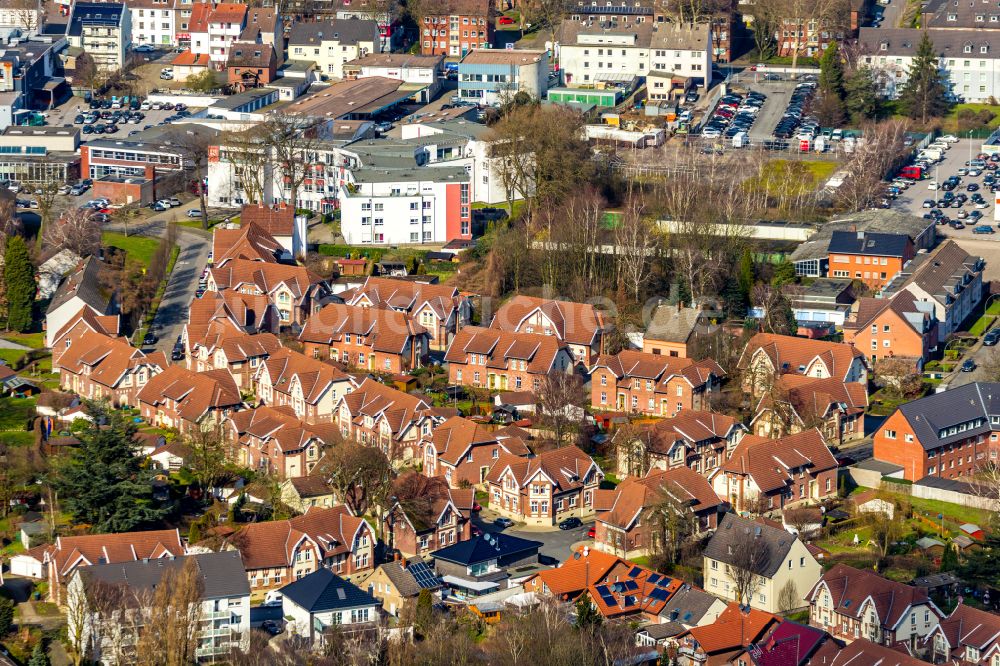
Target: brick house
(949,278)
(947,435)
(797,403)
(463,451)
(768,356)
(251,65)
(186,400)
(967,637)
(458,27)
(280,551)
(416,527)
(440,309)
(225,347)
(377,415)
(623,524)
(502,361)
(293,290)
(897,327)
(852,604)
(778,472)
(545,489)
(278,221)
(725,641)
(701,441)
(872,258)
(236,311)
(672,330)
(371,338)
(85,321)
(652,384)
(580,325)
(99,367)
(274,441)
(70,553)
(312,388)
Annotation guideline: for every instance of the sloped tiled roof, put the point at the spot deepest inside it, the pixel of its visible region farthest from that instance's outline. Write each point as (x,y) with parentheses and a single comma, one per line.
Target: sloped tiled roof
(195,392)
(315,377)
(689,427)
(455,437)
(537,350)
(583,567)
(272,543)
(789,353)
(629,364)
(636,590)
(769,462)
(104,324)
(576,323)
(251,241)
(869,243)
(267,277)
(733,630)
(671,323)
(862,652)
(970,627)
(280,425)
(84,284)
(371,398)
(277,220)
(107,358)
(734,531)
(383,329)
(69,552)
(813,398)
(566,467)
(408,295)
(954,415)
(850,588)
(323,591)
(682,484)
(867,310)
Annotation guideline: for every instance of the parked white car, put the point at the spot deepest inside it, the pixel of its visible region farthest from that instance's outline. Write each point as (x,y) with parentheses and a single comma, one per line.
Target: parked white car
(933,185)
(948,138)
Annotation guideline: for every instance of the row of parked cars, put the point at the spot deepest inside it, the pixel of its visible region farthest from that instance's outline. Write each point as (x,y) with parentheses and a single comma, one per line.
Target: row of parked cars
(794,121)
(733,115)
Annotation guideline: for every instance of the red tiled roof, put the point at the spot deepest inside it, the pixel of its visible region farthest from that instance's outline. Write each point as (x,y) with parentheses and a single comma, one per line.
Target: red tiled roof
(629,364)
(384,330)
(455,437)
(408,295)
(770,461)
(314,376)
(251,241)
(567,468)
(500,347)
(189,59)
(789,354)
(265,276)
(272,544)
(851,588)
(70,552)
(733,629)
(371,398)
(279,424)
(276,220)
(576,574)
(632,496)
(577,323)
(813,398)
(194,392)
(108,359)
(228,12)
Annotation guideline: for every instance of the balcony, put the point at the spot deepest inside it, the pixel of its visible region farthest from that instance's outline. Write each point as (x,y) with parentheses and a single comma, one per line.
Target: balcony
(217,615)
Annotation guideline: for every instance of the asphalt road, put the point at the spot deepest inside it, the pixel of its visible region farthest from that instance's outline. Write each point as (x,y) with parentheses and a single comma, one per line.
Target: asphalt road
(778,94)
(183,282)
(892,13)
(556,544)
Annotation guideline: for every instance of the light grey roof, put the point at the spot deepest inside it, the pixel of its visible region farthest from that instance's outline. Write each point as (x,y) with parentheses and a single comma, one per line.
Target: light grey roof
(689,37)
(733,533)
(404,581)
(953,415)
(663,631)
(936,14)
(569,31)
(344,31)
(880,220)
(880,466)
(688,605)
(222,574)
(454,174)
(84,283)
(671,323)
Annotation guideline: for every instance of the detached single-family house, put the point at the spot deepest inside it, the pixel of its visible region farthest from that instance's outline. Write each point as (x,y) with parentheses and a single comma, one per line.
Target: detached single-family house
(419,525)
(463,451)
(323,600)
(398,583)
(652,384)
(81,289)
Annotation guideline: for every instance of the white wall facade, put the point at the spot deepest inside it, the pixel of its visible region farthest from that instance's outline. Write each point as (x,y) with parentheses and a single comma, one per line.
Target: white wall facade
(330,55)
(153,26)
(974,75)
(374,215)
(600,57)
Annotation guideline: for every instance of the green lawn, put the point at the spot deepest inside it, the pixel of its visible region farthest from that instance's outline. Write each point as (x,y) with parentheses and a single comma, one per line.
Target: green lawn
(37,340)
(11,356)
(137,247)
(17,438)
(975,108)
(788,177)
(14,412)
(981,325)
(953,512)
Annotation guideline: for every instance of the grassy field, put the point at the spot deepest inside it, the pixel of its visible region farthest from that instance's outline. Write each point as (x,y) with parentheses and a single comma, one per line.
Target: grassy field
(37,340)
(788,178)
(11,356)
(137,247)
(14,412)
(981,325)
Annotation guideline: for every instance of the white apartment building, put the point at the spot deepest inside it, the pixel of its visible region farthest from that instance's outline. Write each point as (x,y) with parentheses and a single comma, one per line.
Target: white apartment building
(421,70)
(406,206)
(333,43)
(213,29)
(102,29)
(590,51)
(488,76)
(223,616)
(23,18)
(970,58)
(153,22)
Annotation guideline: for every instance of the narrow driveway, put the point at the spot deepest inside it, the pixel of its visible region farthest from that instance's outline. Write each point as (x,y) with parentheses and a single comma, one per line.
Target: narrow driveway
(183,282)
(556,543)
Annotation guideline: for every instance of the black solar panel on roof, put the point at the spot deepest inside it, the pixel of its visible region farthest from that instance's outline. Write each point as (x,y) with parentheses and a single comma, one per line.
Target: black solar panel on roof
(654,578)
(424,575)
(630,585)
(634,572)
(659,594)
(630,600)
(665,582)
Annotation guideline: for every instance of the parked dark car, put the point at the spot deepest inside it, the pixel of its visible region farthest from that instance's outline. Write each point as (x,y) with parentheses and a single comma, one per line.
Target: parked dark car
(570,523)
(992,337)
(150,339)
(968,365)
(503,522)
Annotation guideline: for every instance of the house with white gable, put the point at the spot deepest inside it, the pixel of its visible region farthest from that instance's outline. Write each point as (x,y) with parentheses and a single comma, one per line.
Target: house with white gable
(851,604)
(768,356)
(312,388)
(544,489)
(377,415)
(81,289)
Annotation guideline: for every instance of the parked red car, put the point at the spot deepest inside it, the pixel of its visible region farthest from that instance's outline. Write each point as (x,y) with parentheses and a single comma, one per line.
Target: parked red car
(592,532)
(506,20)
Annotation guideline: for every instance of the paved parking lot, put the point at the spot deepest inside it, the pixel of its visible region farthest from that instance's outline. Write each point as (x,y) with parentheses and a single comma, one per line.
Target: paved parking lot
(912,199)
(778,94)
(556,543)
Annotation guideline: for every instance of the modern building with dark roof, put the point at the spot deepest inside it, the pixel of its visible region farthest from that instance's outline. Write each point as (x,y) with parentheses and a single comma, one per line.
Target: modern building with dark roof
(947,435)
(783,561)
(103,29)
(80,290)
(323,599)
(873,258)
(224,592)
(474,567)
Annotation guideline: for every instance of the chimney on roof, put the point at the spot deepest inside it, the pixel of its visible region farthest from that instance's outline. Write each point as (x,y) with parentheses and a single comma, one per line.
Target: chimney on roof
(861,236)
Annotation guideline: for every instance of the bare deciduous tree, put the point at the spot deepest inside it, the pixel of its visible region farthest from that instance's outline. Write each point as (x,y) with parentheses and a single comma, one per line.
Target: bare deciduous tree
(293,142)
(877,154)
(747,559)
(635,238)
(193,146)
(77,230)
(168,636)
(561,398)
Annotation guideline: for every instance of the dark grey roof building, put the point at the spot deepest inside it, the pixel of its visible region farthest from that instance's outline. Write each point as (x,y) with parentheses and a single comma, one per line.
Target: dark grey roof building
(955,415)
(733,534)
(870,244)
(82,284)
(323,591)
(222,574)
(343,31)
